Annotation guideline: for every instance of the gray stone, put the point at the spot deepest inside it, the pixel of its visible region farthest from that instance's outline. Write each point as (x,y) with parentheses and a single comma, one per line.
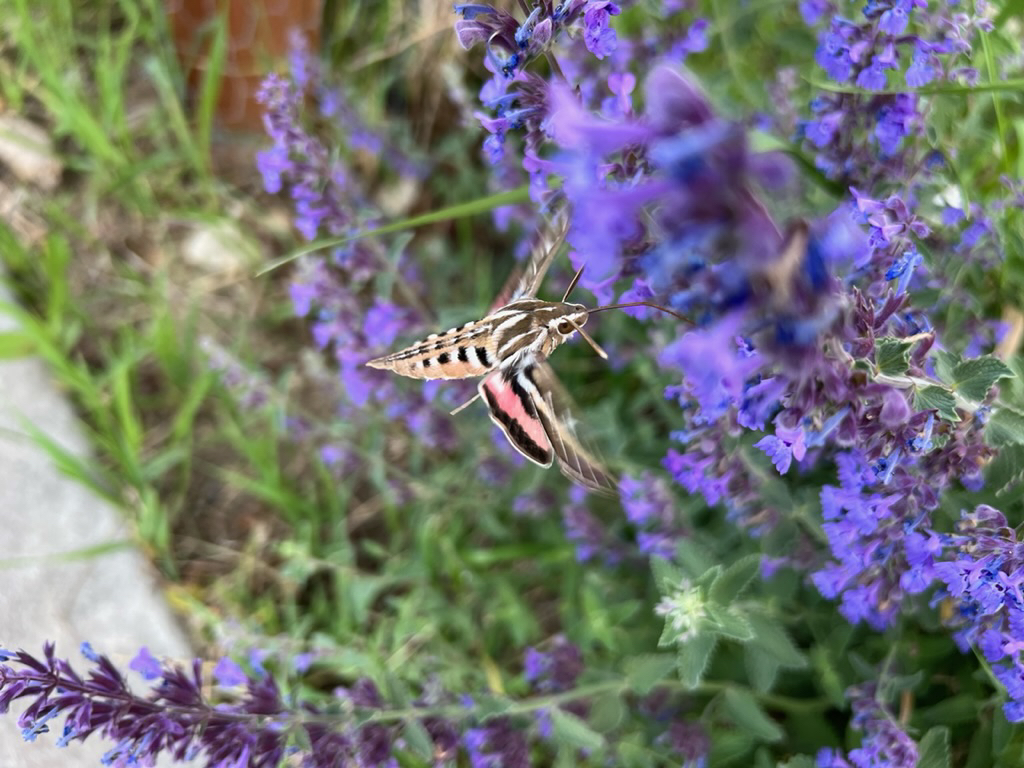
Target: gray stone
(50,591)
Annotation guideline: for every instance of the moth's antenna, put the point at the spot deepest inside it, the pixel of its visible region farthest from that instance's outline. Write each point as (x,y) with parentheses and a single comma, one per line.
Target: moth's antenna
(575,279)
(642,304)
(597,347)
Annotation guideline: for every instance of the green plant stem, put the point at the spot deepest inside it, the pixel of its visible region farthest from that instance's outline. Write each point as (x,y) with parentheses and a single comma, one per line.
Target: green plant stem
(617,686)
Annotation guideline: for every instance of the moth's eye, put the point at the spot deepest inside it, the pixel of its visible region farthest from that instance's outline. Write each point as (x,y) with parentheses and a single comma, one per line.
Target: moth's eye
(565,328)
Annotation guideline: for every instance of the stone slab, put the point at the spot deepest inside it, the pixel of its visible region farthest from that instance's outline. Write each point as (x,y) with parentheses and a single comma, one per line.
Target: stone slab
(111,599)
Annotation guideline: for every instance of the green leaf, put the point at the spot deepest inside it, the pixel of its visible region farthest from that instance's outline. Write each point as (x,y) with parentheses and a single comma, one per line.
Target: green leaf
(935,398)
(830,680)
(694,657)
(770,637)
(693,558)
(799,761)
(980,751)
(762,668)
(1006,470)
(974,378)
(731,747)
(15,344)
(606,713)
(634,755)
(743,708)
(1005,427)
(728,624)
(644,672)
(945,362)
(730,583)
(666,575)
(418,739)
(892,355)
(568,730)
(933,750)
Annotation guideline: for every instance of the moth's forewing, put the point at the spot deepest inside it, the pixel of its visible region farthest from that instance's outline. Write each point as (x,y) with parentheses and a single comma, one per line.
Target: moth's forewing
(553,408)
(525,282)
(513,409)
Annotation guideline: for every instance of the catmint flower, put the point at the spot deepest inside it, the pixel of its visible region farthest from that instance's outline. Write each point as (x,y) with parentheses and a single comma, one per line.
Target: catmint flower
(885,744)
(784,446)
(174,718)
(553,670)
(983,578)
(691,742)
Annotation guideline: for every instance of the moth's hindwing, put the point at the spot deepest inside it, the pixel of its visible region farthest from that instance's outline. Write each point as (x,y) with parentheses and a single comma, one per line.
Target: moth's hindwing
(553,410)
(531,408)
(459,353)
(513,409)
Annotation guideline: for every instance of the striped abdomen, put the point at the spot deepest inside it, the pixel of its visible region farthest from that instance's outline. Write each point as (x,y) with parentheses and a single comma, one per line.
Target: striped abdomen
(473,349)
(458,353)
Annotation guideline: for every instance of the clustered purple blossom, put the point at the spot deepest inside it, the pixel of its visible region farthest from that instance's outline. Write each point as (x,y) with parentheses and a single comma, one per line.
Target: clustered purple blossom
(982,575)
(175,717)
(885,743)
(347,319)
(864,138)
(649,506)
(252,723)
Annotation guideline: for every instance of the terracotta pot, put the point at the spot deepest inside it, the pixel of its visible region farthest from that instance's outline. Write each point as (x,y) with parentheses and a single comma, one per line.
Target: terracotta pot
(258,38)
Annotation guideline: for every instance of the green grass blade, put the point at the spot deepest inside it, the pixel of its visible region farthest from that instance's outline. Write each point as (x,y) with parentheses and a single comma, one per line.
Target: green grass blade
(472,208)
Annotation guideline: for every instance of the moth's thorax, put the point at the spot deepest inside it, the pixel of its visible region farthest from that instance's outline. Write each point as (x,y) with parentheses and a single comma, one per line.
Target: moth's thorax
(535,327)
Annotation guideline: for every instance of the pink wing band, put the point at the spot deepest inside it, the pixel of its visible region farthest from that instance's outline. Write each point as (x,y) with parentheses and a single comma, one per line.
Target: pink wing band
(517,417)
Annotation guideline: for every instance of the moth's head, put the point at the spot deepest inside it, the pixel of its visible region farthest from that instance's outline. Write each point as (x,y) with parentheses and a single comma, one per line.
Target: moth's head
(570,319)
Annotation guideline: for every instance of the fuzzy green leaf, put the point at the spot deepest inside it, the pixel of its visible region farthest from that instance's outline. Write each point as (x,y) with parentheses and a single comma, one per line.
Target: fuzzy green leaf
(799,761)
(568,730)
(606,713)
(1006,471)
(892,356)
(728,624)
(770,637)
(666,575)
(733,580)
(933,750)
(937,399)
(748,715)
(693,558)
(1005,427)
(694,657)
(644,672)
(974,378)
(634,755)
(418,739)
(762,668)
(945,363)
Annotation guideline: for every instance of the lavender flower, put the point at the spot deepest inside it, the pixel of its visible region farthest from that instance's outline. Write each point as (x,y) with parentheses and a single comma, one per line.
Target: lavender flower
(256,726)
(885,744)
(346,319)
(983,580)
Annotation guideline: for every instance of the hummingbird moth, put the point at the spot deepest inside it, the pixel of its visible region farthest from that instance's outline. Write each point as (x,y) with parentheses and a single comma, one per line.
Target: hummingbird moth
(509,349)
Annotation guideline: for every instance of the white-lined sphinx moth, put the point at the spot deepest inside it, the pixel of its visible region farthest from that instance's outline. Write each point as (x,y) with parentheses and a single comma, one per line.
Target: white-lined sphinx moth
(509,348)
